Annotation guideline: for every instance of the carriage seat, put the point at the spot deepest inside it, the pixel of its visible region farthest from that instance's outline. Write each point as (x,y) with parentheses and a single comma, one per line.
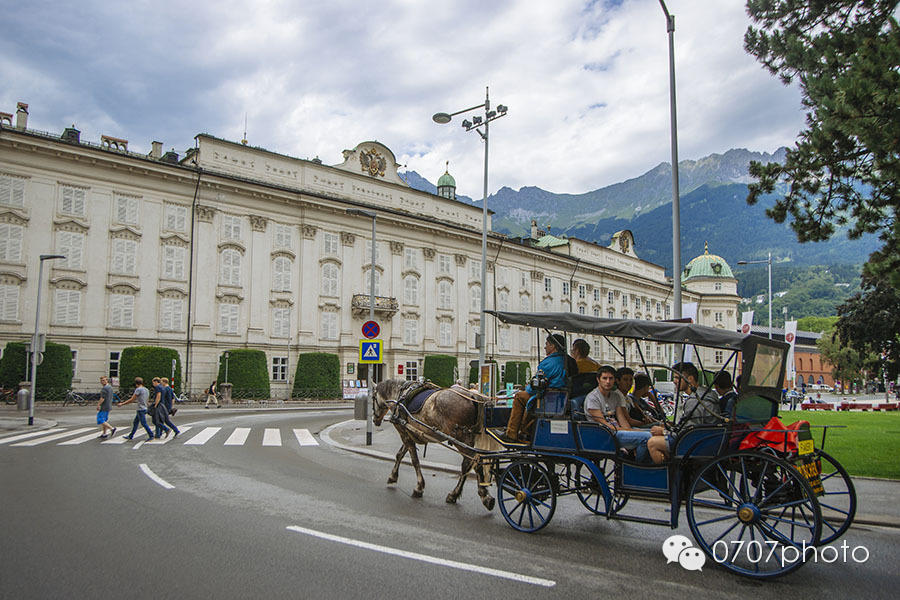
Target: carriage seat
(414,397)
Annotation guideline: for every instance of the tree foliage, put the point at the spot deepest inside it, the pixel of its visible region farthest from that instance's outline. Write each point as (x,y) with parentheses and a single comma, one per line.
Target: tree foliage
(147,362)
(318,374)
(847,363)
(844,169)
(816,324)
(248,373)
(870,322)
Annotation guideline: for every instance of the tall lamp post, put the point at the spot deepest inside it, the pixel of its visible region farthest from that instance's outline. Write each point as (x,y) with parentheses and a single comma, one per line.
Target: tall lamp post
(768,262)
(225,355)
(676,209)
(370,427)
(34,340)
(476,123)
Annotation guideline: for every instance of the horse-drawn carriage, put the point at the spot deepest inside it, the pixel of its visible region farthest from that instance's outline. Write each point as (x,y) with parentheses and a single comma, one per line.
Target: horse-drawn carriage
(756,511)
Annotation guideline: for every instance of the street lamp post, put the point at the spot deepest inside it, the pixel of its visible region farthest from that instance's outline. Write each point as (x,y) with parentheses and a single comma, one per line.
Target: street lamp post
(676,210)
(34,340)
(370,427)
(226,354)
(768,262)
(476,123)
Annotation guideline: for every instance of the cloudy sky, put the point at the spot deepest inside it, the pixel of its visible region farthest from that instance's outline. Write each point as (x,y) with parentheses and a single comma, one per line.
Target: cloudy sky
(586,82)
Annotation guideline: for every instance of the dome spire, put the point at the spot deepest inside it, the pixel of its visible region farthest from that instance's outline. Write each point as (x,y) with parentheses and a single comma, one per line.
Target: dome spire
(706,247)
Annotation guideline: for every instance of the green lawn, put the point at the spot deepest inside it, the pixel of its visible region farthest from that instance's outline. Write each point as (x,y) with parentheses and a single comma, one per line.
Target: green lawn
(869,445)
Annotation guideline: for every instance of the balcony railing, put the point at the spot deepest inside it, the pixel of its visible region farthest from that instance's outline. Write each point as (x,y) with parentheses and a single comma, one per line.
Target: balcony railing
(383,304)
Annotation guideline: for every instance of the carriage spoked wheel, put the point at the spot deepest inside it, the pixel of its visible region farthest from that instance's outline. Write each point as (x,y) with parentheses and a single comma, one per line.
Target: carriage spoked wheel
(838,504)
(753,514)
(526,495)
(588,490)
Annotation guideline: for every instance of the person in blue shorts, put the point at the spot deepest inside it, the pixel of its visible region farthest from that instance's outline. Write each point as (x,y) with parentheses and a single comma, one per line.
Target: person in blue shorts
(103,408)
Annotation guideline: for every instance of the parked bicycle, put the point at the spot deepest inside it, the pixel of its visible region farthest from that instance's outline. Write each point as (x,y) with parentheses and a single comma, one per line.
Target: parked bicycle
(9,396)
(73,397)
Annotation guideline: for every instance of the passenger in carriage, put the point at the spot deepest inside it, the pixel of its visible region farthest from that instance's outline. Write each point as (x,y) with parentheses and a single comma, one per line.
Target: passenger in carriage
(697,406)
(606,405)
(586,378)
(580,351)
(641,408)
(625,381)
(725,390)
(556,367)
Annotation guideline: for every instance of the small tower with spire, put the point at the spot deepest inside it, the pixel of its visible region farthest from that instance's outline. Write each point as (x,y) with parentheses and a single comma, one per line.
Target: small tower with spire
(446,185)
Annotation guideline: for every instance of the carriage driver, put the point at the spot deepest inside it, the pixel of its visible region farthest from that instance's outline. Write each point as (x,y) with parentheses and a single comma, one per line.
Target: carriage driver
(556,367)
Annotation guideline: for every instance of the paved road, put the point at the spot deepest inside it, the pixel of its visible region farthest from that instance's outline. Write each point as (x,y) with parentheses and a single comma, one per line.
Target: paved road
(84,520)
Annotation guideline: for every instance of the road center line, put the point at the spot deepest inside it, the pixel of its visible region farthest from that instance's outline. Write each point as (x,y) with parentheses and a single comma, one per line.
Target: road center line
(156,478)
(425,558)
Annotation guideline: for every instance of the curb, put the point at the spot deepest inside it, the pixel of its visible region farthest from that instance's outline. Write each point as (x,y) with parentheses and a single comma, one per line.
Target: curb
(325,434)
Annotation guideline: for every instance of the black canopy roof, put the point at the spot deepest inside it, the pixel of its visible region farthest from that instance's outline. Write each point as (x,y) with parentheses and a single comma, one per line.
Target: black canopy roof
(654,331)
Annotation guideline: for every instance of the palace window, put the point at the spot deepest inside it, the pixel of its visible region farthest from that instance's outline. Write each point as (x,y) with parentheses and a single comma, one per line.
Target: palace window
(121,310)
(176,217)
(173,262)
(279,368)
(283,238)
(231,227)
(171,311)
(126,210)
(228,318)
(67,307)
(281,271)
(72,201)
(230,268)
(329,279)
(329,324)
(9,302)
(11,237)
(124,257)
(281,322)
(12,191)
(71,245)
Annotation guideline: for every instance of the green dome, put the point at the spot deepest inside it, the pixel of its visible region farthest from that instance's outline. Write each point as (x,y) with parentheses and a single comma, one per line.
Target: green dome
(446,180)
(707,265)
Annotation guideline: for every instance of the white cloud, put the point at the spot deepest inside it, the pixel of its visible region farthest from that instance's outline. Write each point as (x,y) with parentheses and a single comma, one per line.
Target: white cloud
(586,83)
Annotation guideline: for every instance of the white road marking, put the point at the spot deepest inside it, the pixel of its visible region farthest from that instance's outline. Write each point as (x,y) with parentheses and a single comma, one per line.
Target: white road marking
(156,478)
(31,434)
(171,437)
(305,438)
(121,439)
(202,437)
(425,558)
(51,438)
(272,437)
(238,437)
(94,435)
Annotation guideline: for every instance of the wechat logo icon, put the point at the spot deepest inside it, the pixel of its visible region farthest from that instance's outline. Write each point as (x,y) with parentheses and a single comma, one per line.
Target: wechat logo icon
(678,548)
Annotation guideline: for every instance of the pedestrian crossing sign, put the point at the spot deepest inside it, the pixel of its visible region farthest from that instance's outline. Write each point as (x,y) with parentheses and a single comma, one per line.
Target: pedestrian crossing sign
(370,351)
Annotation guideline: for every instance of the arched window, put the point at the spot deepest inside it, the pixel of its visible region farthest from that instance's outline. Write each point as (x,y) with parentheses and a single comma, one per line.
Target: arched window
(329,279)
(411,290)
(230,273)
(281,274)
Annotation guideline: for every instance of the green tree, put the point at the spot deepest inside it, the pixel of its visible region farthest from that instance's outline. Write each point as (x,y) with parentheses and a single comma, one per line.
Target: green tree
(869,322)
(844,168)
(318,375)
(147,362)
(847,363)
(54,374)
(817,324)
(248,371)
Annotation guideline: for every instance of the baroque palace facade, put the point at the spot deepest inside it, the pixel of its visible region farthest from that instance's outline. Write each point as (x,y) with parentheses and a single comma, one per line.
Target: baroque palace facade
(233,246)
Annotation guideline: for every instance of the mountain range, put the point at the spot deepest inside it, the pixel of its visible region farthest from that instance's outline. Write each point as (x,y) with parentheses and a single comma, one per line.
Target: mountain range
(713,209)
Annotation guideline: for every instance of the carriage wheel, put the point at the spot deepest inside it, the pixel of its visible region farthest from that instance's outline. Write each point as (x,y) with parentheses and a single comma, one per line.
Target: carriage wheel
(526,495)
(754,514)
(838,504)
(589,491)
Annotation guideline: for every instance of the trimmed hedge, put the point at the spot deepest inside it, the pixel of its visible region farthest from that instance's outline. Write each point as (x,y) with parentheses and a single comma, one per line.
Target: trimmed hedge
(54,374)
(318,374)
(248,371)
(440,369)
(147,362)
(514,376)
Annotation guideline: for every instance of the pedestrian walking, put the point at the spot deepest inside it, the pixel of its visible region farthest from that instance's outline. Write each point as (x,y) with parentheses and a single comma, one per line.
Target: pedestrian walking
(168,398)
(158,408)
(141,396)
(211,395)
(103,408)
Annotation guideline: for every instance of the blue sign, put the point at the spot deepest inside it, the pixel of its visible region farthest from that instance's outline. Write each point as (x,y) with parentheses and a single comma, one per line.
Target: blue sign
(370,351)
(370,329)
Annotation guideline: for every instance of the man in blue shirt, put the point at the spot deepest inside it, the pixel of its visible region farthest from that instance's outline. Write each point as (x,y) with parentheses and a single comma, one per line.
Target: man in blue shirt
(556,367)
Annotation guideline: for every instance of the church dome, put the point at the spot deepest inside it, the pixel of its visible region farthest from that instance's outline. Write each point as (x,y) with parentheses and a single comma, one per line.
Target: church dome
(446,180)
(707,265)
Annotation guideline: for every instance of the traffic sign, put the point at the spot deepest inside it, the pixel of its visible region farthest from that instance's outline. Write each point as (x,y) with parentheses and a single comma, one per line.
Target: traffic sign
(370,329)
(370,351)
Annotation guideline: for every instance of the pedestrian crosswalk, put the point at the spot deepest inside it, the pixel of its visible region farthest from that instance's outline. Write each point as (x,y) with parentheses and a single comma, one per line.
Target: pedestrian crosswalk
(189,436)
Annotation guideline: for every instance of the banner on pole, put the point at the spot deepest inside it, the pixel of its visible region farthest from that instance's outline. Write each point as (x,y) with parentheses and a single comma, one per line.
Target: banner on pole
(790,336)
(689,311)
(746,321)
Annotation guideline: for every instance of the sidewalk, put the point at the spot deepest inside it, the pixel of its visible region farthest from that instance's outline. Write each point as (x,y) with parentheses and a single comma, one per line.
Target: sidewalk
(876,498)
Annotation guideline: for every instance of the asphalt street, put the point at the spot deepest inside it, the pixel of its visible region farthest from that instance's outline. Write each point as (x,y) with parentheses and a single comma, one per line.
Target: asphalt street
(305,519)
